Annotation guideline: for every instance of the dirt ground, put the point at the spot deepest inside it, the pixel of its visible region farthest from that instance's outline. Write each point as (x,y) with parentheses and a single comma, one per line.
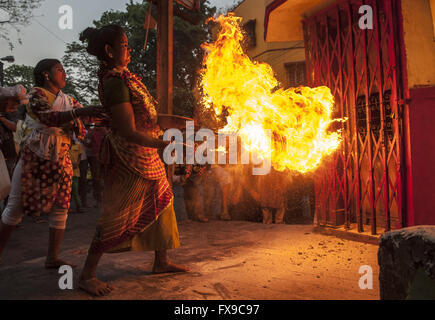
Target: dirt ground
(228,260)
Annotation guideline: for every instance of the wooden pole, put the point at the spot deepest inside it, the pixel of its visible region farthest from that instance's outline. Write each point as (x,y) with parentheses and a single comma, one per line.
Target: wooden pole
(164,56)
(164,62)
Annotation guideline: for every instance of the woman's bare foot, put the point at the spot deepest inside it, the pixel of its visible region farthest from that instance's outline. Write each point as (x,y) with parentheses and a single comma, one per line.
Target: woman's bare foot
(95,287)
(169,267)
(57,263)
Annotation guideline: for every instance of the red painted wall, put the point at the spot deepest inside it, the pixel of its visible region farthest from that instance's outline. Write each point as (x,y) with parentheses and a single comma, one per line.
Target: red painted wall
(422,134)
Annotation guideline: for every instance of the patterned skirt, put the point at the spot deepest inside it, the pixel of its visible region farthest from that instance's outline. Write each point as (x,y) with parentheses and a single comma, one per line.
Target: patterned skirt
(45,183)
(138,213)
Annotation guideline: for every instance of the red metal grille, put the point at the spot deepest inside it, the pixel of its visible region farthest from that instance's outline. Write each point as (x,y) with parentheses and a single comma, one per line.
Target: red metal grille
(360,186)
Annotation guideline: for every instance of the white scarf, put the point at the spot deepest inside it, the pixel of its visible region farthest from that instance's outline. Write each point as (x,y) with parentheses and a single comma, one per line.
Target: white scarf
(45,141)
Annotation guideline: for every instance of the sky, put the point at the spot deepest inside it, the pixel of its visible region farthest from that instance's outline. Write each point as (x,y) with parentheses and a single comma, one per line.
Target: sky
(43,38)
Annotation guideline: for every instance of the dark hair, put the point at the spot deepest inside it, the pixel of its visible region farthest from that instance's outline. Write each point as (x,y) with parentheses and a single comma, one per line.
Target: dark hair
(98,38)
(43,66)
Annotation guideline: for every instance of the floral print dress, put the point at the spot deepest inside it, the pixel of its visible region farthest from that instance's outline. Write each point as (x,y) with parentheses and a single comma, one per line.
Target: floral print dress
(46,166)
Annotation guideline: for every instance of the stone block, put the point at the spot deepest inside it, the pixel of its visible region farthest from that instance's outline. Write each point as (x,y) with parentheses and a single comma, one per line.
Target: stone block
(401,254)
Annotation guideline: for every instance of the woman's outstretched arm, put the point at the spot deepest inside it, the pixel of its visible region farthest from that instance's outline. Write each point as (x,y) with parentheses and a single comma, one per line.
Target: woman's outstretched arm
(40,108)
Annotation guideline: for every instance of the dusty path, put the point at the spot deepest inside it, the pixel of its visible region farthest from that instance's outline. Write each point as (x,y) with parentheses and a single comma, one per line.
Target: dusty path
(229,260)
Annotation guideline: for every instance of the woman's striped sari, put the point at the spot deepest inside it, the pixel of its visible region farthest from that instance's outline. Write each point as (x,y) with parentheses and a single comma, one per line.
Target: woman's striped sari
(138,209)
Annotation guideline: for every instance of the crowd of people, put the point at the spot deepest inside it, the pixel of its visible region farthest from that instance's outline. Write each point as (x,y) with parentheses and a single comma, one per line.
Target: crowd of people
(201,184)
(53,146)
(48,166)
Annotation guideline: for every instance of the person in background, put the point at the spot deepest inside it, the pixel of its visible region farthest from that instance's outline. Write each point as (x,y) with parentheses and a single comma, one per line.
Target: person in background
(8,104)
(12,97)
(215,179)
(224,181)
(42,178)
(198,190)
(83,180)
(75,155)
(8,125)
(200,184)
(191,177)
(270,192)
(93,140)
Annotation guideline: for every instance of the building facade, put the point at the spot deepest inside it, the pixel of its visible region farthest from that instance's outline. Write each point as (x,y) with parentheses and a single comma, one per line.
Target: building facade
(383,81)
(287,58)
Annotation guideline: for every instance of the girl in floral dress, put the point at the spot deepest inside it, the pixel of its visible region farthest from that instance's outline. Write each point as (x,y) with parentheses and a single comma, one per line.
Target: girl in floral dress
(42,178)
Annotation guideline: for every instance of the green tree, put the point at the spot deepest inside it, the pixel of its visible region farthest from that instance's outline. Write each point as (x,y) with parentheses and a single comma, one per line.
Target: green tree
(19,74)
(82,68)
(15,14)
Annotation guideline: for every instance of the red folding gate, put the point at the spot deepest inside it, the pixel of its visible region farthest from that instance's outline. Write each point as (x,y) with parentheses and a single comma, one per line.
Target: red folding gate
(361,185)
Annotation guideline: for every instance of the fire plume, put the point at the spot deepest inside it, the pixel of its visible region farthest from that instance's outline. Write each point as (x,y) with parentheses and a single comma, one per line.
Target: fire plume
(297,118)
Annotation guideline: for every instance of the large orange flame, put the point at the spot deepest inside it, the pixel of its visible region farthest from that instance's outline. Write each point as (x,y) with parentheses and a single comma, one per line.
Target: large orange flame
(298,118)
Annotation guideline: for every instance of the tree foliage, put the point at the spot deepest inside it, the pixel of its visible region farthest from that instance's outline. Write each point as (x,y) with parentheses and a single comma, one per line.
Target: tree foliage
(19,74)
(15,14)
(82,68)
